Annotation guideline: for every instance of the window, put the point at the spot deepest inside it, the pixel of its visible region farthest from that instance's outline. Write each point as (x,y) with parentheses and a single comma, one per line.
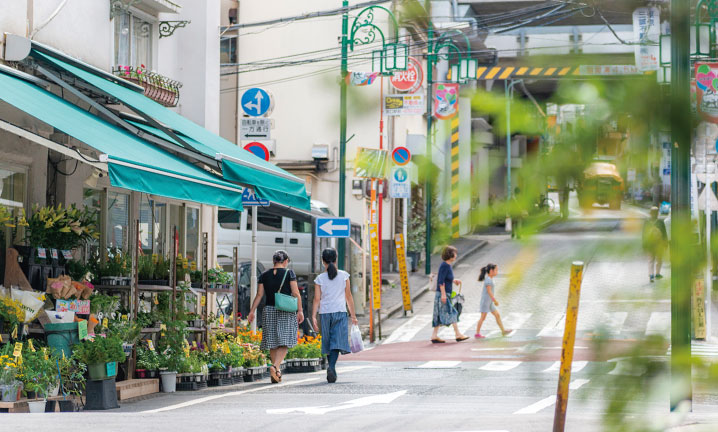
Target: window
(228,50)
(301,227)
(229,219)
(92,199)
(133,41)
(146,225)
(118,210)
(192,230)
(159,228)
(266,221)
(12,187)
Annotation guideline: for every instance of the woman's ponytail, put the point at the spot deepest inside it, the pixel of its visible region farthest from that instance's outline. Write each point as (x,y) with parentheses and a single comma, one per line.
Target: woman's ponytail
(329,256)
(485,270)
(482,276)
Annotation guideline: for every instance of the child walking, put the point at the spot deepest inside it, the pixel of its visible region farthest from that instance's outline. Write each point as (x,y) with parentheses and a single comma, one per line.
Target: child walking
(488,300)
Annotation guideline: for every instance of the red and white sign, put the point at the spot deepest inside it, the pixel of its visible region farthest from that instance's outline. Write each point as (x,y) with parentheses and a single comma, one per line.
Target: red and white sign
(258,149)
(77,306)
(409,80)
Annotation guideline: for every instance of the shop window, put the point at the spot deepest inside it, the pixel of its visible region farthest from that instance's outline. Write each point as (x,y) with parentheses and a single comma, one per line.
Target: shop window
(118,210)
(146,225)
(301,227)
(229,219)
(175,222)
(159,222)
(133,41)
(12,187)
(192,230)
(266,221)
(92,198)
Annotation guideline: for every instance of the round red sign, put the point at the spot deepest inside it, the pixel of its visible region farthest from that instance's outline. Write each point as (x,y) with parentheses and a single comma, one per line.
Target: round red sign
(409,80)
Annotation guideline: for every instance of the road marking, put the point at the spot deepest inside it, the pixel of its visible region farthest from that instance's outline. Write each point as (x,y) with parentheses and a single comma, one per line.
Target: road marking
(408,330)
(550,400)
(513,321)
(354,403)
(613,321)
(659,323)
(701,350)
(624,367)
(500,366)
(439,364)
(576,366)
(626,301)
(467,321)
(554,328)
(219,396)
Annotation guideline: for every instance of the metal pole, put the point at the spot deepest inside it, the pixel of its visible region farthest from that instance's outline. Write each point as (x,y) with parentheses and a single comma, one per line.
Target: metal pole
(253,285)
(341,246)
(681,276)
(427,181)
(235,288)
(508,85)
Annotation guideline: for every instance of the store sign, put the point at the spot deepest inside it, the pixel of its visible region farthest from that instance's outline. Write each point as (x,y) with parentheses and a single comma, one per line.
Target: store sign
(410,79)
(647,31)
(77,306)
(403,275)
(707,91)
(446,100)
(375,264)
(396,105)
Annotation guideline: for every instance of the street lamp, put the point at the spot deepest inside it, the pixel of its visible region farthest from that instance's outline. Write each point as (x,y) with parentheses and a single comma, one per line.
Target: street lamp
(465,70)
(391,57)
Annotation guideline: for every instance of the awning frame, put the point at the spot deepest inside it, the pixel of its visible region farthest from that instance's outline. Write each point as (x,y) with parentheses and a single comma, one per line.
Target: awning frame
(287,176)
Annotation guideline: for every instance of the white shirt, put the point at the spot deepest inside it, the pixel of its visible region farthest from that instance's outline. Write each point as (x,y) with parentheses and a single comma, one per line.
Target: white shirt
(333,296)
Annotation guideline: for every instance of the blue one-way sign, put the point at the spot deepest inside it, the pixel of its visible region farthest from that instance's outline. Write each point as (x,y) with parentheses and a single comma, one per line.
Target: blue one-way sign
(249,199)
(333,227)
(256,102)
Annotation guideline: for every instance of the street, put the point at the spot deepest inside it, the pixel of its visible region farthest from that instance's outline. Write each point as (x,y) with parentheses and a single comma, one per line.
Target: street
(497,384)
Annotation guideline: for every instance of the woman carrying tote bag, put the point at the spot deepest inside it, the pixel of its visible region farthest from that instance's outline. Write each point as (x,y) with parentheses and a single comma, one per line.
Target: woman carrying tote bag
(282,313)
(332,296)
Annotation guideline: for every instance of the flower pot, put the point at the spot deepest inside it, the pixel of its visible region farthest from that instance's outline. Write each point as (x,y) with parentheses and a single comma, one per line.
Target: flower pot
(169,381)
(55,391)
(67,405)
(50,406)
(10,392)
(152,374)
(140,373)
(36,407)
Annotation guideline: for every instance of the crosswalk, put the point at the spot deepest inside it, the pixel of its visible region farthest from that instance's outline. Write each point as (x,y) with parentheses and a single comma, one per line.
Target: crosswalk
(701,350)
(613,324)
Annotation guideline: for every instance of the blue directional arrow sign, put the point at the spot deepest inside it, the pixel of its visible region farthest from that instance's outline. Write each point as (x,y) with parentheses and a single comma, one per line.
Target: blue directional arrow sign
(249,199)
(333,227)
(256,102)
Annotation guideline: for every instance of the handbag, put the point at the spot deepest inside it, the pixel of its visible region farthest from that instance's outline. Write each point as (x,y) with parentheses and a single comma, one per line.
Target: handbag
(283,302)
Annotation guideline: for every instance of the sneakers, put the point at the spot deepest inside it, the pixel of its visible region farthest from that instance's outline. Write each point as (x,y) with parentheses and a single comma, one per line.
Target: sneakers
(652,278)
(658,276)
(331,376)
(479,336)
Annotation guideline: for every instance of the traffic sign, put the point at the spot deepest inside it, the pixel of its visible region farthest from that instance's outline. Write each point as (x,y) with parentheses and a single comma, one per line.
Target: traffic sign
(256,102)
(401,156)
(410,79)
(255,128)
(249,199)
(258,149)
(399,184)
(333,227)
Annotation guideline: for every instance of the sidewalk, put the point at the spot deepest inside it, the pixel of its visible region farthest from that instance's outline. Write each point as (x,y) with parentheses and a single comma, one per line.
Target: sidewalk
(391,300)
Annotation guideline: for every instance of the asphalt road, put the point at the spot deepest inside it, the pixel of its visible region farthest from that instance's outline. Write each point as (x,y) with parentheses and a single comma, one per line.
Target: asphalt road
(405,383)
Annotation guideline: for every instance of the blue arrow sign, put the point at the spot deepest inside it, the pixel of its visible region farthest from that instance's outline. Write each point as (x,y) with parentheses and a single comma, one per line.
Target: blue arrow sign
(256,102)
(333,227)
(249,199)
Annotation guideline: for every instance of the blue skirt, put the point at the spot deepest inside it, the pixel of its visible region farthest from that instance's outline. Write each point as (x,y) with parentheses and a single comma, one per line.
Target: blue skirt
(335,332)
(444,313)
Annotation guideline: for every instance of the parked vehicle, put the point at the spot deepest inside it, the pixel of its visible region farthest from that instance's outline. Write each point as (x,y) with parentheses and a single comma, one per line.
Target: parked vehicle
(601,184)
(225,302)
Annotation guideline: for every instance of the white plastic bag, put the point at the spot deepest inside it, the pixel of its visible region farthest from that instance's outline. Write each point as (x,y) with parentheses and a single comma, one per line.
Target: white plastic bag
(356,344)
(31,301)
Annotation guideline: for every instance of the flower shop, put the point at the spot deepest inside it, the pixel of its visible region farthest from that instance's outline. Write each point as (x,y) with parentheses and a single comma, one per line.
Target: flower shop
(109,288)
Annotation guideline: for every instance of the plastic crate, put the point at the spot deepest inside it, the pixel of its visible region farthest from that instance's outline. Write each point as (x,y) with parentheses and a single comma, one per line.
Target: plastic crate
(220,382)
(101,395)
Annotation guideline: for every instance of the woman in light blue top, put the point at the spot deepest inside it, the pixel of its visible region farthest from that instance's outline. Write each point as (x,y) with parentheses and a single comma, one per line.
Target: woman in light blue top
(332,295)
(488,300)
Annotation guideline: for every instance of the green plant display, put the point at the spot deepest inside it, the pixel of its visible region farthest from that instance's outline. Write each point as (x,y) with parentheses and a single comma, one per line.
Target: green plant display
(127,331)
(147,359)
(99,350)
(104,303)
(61,228)
(146,268)
(73,376)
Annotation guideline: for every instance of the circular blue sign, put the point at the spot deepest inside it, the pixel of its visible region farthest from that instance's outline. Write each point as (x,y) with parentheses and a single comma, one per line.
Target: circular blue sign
(256,102)
(401,156)
(400,175)
(258,149)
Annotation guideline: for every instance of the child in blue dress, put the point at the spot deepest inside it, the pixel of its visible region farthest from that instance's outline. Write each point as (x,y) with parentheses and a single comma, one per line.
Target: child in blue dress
(488,300)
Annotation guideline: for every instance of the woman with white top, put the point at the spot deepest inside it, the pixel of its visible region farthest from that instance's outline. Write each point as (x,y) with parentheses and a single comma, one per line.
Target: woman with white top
(332,295)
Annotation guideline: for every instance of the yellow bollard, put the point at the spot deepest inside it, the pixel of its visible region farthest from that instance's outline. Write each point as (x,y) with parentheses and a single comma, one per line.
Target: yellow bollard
(569,339)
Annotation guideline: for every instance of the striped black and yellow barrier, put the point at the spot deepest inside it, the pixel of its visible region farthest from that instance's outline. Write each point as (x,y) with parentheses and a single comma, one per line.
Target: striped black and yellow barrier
(455,177)
(557,72)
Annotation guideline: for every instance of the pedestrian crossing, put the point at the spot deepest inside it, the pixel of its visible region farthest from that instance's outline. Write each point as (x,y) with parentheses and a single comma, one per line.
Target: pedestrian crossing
(625,324)
(701,350)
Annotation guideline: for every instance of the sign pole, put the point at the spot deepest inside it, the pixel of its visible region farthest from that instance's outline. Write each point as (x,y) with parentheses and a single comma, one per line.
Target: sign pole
(428,155)
(341,246)
(253,284)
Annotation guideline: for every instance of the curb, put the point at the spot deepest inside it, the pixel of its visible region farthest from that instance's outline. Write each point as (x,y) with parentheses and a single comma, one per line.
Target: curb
(399,307)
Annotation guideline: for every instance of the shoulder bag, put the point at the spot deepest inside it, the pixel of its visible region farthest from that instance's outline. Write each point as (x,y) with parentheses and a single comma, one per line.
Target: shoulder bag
(283,302)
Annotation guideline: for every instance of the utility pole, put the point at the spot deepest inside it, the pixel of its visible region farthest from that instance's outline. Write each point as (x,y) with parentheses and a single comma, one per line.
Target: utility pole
(341,246)
(681,271)
(429,102)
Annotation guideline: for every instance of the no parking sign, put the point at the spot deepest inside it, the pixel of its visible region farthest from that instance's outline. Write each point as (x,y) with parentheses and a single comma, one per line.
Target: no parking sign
(401,156)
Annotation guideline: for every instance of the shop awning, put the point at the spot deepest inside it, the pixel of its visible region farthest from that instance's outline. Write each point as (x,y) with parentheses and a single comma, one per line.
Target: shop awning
(269,181)
(132,163)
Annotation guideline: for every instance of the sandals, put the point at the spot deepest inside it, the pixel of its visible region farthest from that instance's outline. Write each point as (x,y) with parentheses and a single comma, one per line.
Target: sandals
(462,338)
(438,341)
(274,375)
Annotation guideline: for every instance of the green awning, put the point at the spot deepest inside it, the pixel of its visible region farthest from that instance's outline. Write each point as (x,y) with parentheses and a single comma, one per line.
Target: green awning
(132,163)
(269,181)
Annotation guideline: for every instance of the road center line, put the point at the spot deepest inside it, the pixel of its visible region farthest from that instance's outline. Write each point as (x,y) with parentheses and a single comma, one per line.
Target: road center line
(549,400)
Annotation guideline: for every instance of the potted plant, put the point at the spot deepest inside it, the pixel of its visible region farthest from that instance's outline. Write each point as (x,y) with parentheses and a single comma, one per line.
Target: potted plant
(72,375)
(97,353)
(128,332)
(10,386)
(171,362)
(39,376)
(148,361)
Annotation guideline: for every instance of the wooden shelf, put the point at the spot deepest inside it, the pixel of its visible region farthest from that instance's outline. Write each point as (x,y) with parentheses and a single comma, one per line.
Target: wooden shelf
(146,288)
(157,330)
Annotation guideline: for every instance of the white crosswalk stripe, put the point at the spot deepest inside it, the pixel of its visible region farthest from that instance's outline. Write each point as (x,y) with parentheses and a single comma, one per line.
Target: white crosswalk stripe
(513,321)
(576,366)
(701,349)
(500,366)
(439,364)
(467,321)
(550,400)
(408,330)
(659,323)
(554,328)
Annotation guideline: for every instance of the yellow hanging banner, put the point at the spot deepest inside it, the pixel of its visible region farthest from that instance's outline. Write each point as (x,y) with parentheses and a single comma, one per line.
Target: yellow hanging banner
(403,275)
(375,264)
